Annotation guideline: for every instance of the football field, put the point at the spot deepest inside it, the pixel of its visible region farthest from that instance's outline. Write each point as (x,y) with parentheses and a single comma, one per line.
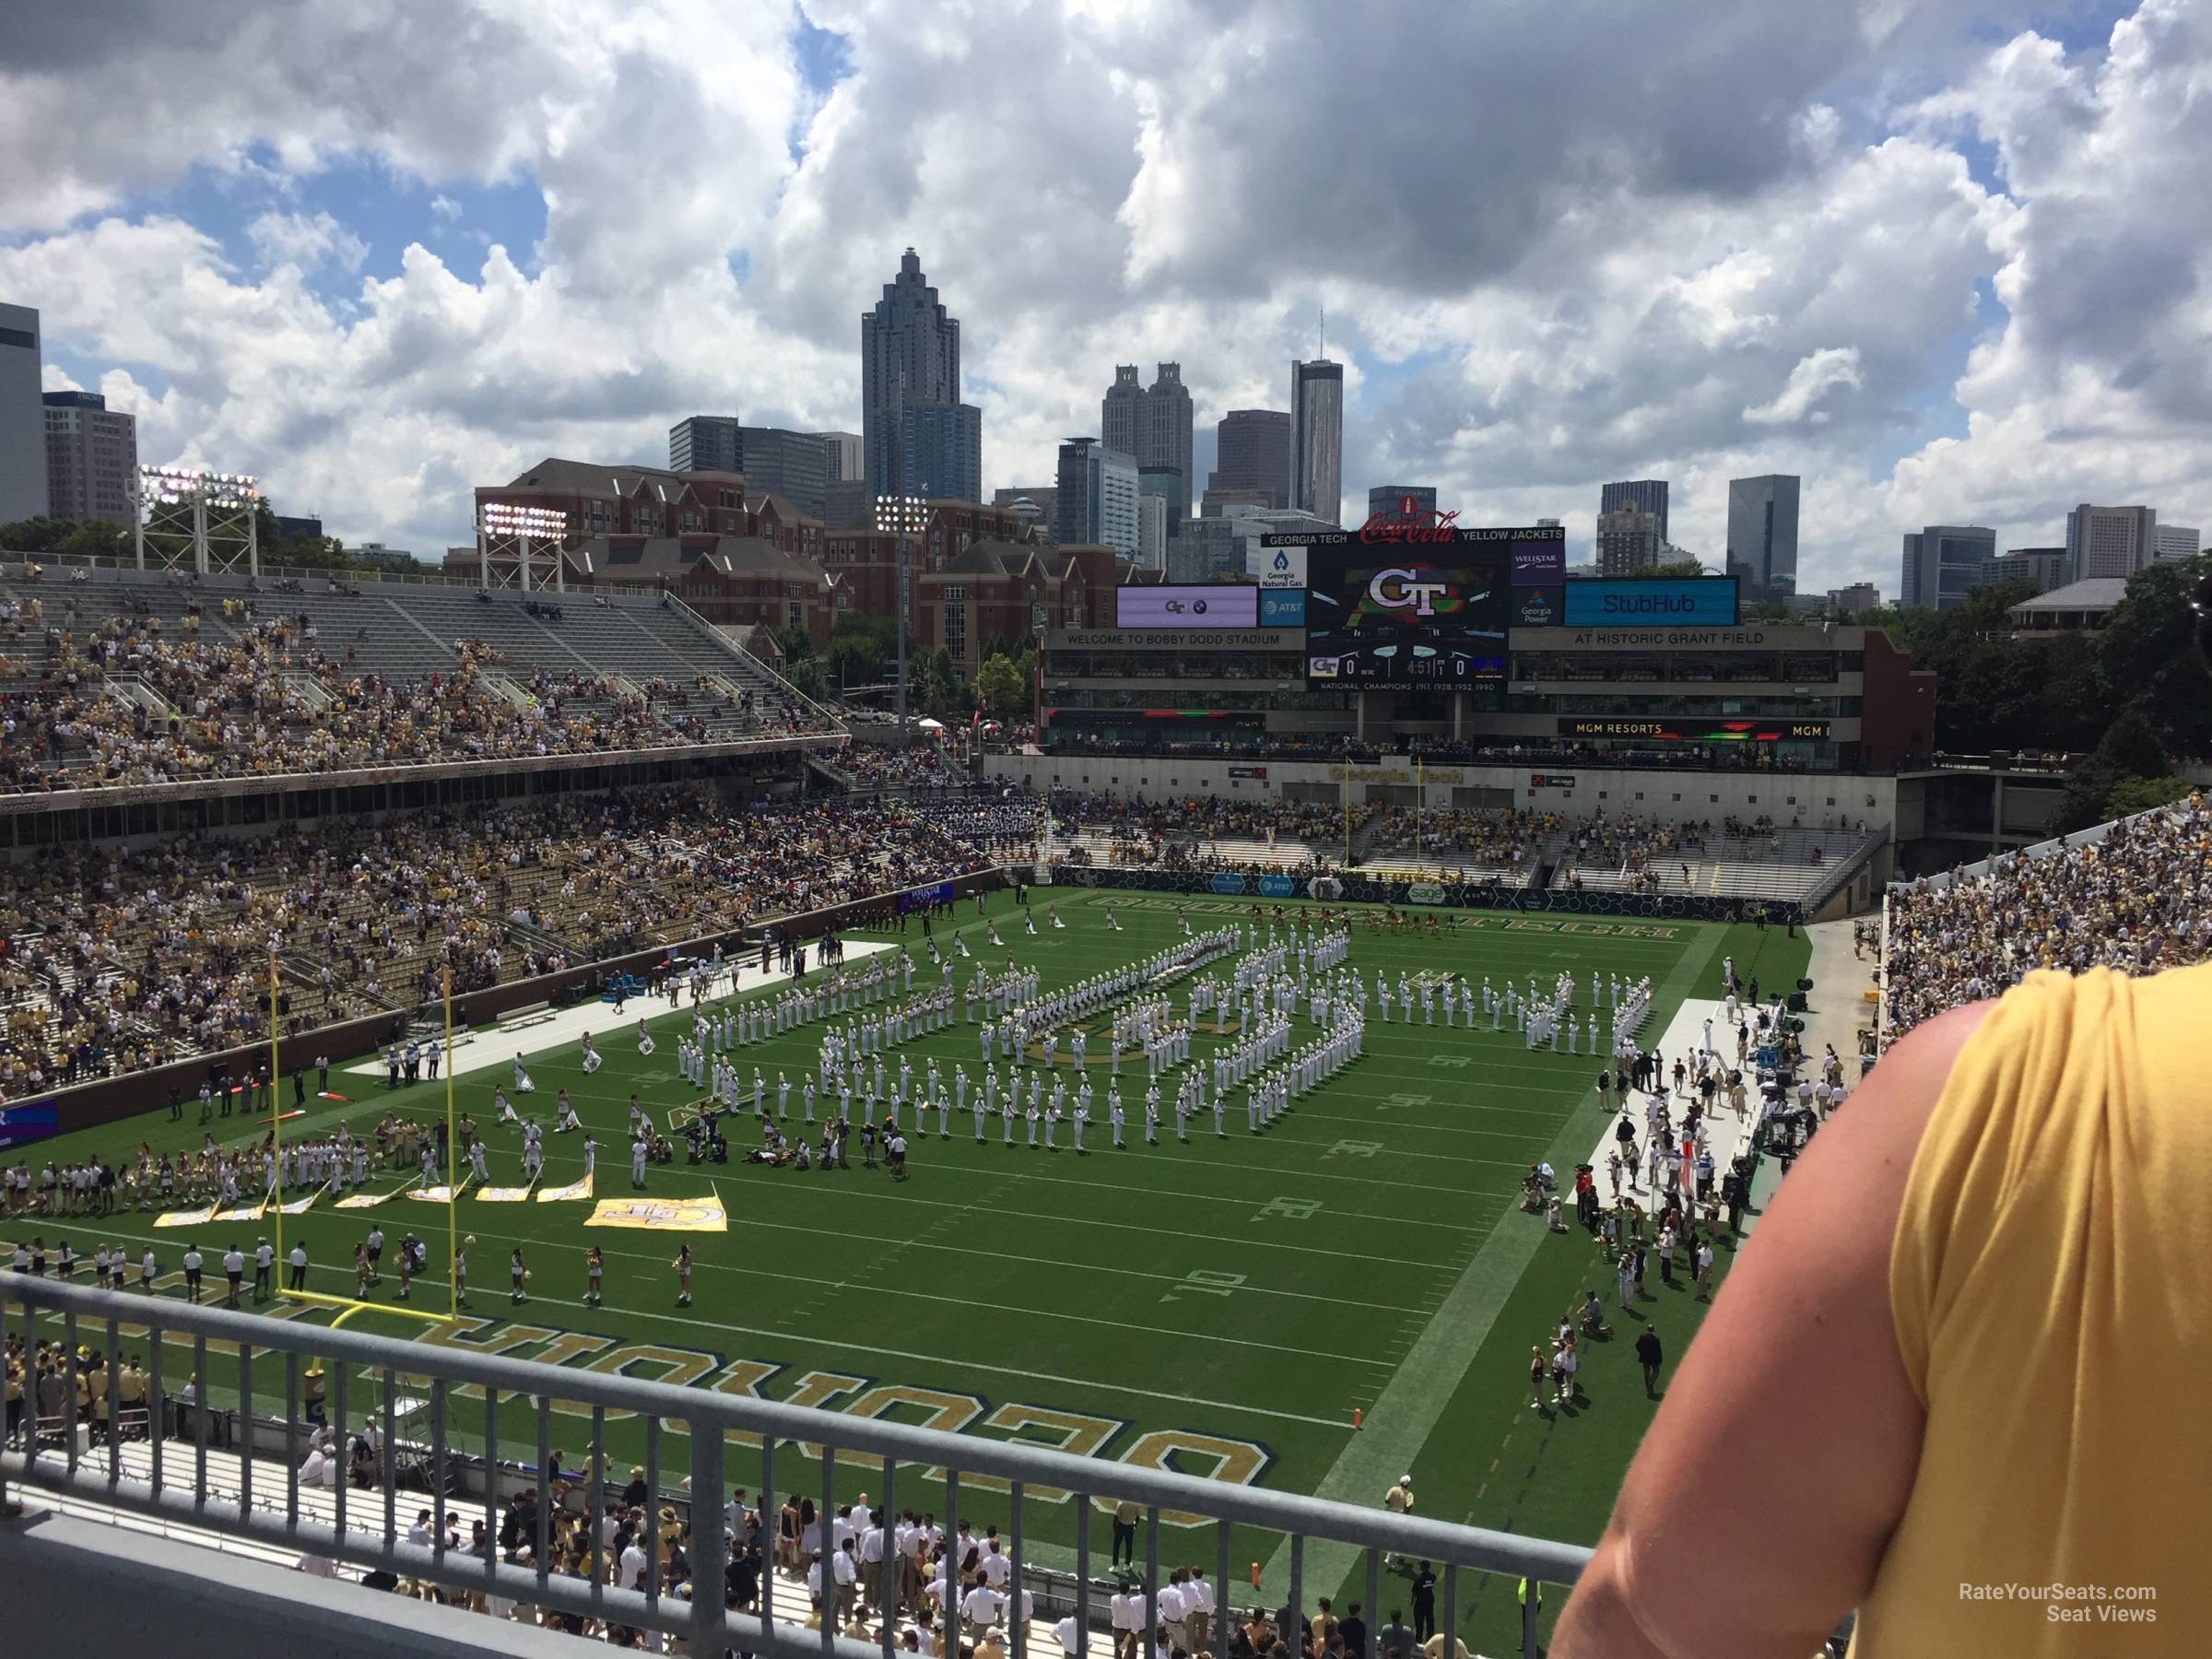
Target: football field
(1222,1306)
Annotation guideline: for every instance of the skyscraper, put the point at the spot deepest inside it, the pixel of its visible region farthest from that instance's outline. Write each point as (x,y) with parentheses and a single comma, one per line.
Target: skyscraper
(2109,541)
(1649,494)
(22,417)
(1762,534)
(2175,541)
(1252,452)
(1944,563)
(844,456)
(1627,540)
(92,458)
(706,443)
(798,466)
(910,358)
(1154,424)
(1389,499)
(942,451)
(1094,498)
(1317,439)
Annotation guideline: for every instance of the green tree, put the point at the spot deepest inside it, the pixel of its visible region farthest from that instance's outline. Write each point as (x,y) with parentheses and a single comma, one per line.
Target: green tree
(1002,686)
(2140,795)
(2146,656)
(2127,758)
(797,645)
(1681,570)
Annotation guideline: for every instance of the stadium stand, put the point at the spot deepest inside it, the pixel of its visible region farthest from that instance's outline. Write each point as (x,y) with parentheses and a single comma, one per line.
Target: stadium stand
(133,679)
(2129,895)
(120,960)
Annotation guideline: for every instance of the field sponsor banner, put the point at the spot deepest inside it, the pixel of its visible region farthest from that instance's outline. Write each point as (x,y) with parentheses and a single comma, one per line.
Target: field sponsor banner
(1279,886)
(1424,892)
(662,1215)
(1698,602)
(191,1217)
(939,892)
(1227,884)
(1282,608)
(1538,560)
(20,1125)
(1209,606)
(1280,567)
(567,1195)
(1539,606)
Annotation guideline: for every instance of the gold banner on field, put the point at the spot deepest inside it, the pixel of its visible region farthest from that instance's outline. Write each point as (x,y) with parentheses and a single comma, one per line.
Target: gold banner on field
(300,1206)
(662,1215)
(244,1212)
(492,1194)
(366,1200)
(193,1217)
(437,1195)
(578,1190)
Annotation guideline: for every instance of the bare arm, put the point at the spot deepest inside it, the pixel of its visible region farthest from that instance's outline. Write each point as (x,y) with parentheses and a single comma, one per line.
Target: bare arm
(1755,1514)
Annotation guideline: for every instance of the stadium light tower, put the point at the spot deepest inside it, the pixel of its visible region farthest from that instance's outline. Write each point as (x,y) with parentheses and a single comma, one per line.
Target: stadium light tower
(901,515)
(211,514)
(522,534)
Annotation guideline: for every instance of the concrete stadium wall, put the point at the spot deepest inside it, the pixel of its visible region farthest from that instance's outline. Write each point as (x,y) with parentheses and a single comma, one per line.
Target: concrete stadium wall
(1672,796)
(103,1589)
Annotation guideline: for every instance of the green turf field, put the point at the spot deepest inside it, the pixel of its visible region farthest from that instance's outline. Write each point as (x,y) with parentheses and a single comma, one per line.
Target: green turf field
(1222,1306)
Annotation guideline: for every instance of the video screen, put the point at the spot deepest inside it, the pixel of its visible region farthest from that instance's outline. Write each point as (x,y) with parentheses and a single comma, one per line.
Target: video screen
(1223,606)
(1434,614)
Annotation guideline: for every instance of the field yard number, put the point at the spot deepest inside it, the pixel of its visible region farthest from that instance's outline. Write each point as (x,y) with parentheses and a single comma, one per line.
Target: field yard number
(1457,1061)
(1404,1101)
(1354,1149)
(1290,1209)
(1207,1281)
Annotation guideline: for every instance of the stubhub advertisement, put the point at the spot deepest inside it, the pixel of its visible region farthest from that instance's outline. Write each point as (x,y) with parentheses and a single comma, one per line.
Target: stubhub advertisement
(1704,602)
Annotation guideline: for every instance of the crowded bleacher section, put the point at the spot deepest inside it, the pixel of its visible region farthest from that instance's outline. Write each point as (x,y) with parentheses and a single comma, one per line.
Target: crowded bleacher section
(2133,899)
(118,960)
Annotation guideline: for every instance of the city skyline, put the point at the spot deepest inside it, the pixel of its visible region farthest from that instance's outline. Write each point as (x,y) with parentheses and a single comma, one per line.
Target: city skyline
(351,297)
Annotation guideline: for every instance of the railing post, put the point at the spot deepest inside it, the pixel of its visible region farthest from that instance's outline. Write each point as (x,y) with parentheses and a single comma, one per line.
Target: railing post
(710,1548)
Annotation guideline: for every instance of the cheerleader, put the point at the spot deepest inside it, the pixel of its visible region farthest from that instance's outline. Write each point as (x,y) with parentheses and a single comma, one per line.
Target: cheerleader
(683,1275)
(1051,914)
(645,1039)
(522,1079)
(991,927)
(1113,921)
(565,1111)
(461,1268)
(503,1109)
(1029,922)
(594,1265)
(591,1055)
(519,1274)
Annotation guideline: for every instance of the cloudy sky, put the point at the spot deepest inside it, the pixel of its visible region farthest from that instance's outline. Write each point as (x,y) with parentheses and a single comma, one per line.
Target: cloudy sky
(1947,259)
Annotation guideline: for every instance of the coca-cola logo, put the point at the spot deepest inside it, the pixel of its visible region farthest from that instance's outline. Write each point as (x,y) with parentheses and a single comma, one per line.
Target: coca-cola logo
(1411,526)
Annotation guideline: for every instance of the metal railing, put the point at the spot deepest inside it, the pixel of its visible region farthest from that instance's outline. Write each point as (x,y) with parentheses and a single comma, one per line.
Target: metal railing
(272,1356)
